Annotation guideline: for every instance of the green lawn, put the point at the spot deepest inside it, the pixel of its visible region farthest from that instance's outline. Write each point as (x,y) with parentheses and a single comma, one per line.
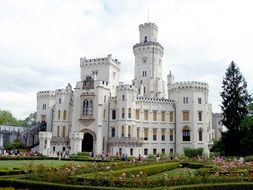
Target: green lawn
(20,163)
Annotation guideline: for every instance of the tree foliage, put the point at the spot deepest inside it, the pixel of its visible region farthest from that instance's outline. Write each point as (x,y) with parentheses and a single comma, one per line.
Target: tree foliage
(247,130)
(235,99)
(6,118)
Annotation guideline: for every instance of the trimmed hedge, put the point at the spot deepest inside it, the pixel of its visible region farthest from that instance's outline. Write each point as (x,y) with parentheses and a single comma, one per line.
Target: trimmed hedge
(27,158)
(146,169)
(215,186)
(193,152)
(21,183)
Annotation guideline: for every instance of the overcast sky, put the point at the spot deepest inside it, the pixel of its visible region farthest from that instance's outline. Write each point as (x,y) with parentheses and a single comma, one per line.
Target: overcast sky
(41,42)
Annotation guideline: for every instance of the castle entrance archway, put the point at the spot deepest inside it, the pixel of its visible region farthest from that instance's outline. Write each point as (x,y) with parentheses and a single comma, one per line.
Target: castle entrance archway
(87,143)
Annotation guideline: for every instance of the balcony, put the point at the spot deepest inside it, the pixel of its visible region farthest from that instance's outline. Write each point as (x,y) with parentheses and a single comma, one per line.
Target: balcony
(125,141)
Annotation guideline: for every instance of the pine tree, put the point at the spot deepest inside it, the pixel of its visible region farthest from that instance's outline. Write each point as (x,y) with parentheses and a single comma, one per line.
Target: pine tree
(235,98)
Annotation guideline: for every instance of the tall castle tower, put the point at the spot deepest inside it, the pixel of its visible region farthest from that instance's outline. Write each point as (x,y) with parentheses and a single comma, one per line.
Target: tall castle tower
(148,63)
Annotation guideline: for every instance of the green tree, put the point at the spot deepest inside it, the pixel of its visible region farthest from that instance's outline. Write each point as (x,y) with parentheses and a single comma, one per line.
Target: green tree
(235,98)
(29,121)
(247,129)
(6,118)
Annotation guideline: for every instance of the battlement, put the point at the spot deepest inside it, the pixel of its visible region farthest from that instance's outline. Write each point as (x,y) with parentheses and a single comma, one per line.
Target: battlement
(76,135)
(126,87)
(146,46)
(148,25)
(45,93)
(155,100)
(60,91)
(189,85)
(101,60)
(45,135)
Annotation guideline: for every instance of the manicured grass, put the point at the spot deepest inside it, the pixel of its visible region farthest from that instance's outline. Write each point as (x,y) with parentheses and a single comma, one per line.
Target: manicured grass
(21,163)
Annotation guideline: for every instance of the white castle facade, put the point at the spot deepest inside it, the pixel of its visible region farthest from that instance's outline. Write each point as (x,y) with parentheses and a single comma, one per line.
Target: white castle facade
(102,115)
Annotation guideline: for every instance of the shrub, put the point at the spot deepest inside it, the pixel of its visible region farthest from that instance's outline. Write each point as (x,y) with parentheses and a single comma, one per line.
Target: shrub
(193,152)
(248,158)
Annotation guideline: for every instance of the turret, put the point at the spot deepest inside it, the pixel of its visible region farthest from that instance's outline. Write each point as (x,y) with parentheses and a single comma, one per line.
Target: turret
(148,62)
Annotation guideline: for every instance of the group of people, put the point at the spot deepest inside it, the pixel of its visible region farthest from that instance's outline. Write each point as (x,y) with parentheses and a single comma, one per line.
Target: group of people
(16,152)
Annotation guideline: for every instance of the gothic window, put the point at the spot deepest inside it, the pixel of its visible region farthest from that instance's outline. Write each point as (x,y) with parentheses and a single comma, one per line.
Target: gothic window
(145,134)
(122,131)
(144,90)
(200,115)
(63,131)
(199,100)
(85,107)
(129,113)
(138,132)
(171,135)
(171,116)
(185,100)
(64,115)
(113,114)
(145,39)
(163,115)
(145,151)
(144,73)
(113,131)
(129,131)
(58,131)
(154,134)
(123,113)
(123,97)
(186,134)
(146,115)
(154,115)
(91,108)
(200,134)
(163,135)
(59,100)
(59,114)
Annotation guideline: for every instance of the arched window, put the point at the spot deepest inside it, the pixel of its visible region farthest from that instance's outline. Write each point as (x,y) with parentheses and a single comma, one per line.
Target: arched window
(129,131)
(123,113)
(145,39)
(123,97)
(58,131)
(91,108)
(129,113)
(144,90)
(200,134)
(59,114)
(87,107)
(63,131)
(84,107)
(186,134)
(64,115)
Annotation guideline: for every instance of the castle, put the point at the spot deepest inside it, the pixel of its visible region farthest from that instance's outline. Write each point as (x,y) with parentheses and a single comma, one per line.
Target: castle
(102,115)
